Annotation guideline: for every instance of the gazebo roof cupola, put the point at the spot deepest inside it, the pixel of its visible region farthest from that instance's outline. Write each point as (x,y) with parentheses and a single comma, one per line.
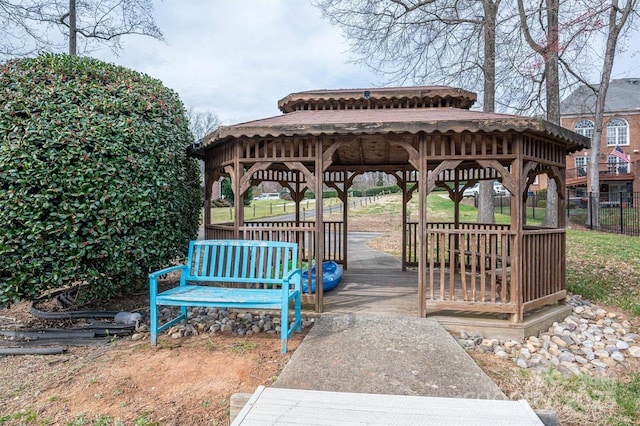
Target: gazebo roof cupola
(379,98)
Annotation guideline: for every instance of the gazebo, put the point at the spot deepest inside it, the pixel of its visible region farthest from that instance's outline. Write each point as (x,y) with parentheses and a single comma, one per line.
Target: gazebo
(426,137)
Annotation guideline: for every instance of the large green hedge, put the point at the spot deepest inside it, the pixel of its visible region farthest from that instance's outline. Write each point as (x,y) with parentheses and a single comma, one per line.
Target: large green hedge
(95,185)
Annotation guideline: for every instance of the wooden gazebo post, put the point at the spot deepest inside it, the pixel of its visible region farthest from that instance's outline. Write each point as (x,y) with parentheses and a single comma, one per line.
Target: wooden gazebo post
(517,224)
(423,178)
(319,249)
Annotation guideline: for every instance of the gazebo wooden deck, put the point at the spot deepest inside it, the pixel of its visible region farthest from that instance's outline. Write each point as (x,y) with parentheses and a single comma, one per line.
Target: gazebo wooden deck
(426,137)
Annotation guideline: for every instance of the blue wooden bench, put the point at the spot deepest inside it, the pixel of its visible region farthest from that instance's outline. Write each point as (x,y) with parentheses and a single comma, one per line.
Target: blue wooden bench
(233,274)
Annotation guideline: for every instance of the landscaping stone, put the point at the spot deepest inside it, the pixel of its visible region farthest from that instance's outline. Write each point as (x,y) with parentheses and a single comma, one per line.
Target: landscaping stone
(589,341)
(215,320)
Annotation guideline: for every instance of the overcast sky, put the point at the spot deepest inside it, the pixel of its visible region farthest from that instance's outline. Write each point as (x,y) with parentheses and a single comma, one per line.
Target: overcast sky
(237,58)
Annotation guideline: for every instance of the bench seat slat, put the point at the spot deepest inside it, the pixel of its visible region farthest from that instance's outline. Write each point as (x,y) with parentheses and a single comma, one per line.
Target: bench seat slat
(220,296)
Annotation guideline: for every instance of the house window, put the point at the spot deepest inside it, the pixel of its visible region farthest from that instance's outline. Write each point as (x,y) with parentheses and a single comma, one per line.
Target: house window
(616,165)
(617,132)
(584,128)
(581,165)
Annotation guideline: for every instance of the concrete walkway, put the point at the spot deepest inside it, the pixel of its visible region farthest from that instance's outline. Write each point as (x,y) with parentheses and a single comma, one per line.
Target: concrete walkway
(369,340)
(385,355)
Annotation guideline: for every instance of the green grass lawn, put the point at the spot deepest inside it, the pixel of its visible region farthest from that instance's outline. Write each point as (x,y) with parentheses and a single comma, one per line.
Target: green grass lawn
(260,209)
(605,267)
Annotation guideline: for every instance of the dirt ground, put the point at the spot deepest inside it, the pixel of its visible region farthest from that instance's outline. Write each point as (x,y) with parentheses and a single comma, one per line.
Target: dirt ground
(178,382)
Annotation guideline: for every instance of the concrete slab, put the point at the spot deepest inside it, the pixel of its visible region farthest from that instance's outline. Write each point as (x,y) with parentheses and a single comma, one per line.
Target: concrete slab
(385,355)
(276,406)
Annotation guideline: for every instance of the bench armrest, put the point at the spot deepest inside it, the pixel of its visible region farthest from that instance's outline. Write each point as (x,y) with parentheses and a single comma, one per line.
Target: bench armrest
(293,277)
(156,274)
(153,277)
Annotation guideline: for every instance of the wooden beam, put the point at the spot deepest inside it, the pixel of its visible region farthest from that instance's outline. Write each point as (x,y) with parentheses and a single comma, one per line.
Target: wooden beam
(245,181)
(558,176)
(445,165)
(327,156)
(401,181)
(345,221)
(517,225)
(507,180)
(529,166)
(474,306)
(546,300)
(311,180)
(414,155)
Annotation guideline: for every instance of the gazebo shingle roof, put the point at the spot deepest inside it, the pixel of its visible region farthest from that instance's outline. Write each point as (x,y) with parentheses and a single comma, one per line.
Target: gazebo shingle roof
(378,98)
(388,121)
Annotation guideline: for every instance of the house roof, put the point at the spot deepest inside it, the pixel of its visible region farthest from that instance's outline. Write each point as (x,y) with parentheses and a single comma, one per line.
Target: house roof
(390,121)
(623,95)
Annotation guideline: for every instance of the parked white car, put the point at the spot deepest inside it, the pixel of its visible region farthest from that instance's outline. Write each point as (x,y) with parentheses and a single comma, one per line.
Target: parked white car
(498,189)
(473,191)
(268,196)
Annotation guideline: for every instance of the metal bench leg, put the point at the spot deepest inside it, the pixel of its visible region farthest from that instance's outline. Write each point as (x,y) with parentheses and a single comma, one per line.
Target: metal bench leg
(153,311)
(298,307)
(284,325)
(153,314)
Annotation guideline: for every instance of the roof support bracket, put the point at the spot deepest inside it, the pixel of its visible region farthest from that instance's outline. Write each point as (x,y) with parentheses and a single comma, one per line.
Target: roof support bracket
(445,165)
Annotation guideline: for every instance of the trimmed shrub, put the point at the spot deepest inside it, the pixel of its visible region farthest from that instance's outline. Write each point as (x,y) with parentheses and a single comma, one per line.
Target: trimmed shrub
(227,192)
(377,190)
(96,188)
(220,203)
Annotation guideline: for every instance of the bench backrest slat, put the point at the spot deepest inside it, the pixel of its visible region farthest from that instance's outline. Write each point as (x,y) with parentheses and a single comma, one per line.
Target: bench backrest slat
(254,262)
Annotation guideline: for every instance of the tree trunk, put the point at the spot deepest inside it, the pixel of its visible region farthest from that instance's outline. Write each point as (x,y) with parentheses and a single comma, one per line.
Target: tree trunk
(486,211)
(73,49)
(551,213)
(552,89)
(614,26)
(552,74)
(489,65)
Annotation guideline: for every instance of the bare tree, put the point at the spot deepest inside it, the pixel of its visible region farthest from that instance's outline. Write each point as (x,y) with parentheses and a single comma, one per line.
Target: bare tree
(548,49)
(585,23)
(450,42)
(201,123)
(33,25)
(619,16)
(18,37)
(434,41)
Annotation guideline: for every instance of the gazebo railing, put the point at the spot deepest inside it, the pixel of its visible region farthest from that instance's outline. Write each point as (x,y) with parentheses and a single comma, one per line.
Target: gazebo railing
(411,239)
(543,267)
(470,268)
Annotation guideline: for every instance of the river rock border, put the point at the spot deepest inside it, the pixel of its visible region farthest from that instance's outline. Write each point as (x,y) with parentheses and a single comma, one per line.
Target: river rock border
(214,320)
(590,341)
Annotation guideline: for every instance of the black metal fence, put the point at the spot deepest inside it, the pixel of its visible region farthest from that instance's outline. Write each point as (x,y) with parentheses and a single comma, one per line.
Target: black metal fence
(615,212)
(535,205)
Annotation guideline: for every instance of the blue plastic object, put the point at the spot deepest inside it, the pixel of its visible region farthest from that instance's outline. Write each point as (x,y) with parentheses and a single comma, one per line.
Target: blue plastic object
(331,276)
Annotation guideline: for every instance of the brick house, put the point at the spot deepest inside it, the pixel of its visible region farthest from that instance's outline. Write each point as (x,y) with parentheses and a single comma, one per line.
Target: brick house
(620,138)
